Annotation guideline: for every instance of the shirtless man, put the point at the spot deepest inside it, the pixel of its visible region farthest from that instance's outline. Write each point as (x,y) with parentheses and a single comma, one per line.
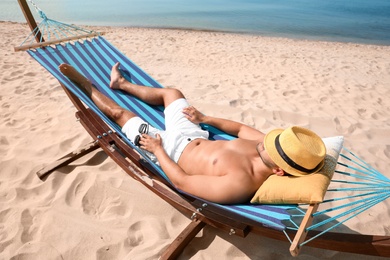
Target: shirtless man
(219,171)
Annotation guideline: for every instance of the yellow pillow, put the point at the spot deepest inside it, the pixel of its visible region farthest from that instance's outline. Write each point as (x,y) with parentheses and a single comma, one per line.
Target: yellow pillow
(308,189)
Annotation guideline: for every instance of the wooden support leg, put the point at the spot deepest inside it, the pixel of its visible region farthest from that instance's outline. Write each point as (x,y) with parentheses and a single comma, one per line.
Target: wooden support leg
(70,157)
(184,238)
(302,232)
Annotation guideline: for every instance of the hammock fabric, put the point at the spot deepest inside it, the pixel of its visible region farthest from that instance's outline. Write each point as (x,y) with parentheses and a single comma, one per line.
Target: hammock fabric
(95,58)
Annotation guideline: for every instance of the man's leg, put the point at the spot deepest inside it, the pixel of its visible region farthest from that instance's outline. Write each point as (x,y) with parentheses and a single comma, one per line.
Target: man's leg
(152,96)
(106,105)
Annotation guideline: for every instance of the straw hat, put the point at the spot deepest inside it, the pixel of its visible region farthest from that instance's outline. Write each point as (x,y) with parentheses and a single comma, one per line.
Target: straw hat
(298,151)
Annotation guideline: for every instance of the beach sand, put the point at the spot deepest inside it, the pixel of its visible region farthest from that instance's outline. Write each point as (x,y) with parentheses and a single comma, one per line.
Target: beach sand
(92,209)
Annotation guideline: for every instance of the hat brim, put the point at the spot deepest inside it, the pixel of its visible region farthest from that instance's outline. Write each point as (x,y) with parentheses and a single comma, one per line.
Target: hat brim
(269,145)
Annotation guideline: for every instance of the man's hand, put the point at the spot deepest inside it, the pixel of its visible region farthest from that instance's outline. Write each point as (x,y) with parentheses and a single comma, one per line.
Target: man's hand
(151,144)
(228,126)
(193,115)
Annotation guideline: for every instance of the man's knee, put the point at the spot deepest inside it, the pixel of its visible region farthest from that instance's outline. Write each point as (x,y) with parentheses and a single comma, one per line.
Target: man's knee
(121,116)
(172,94)
(117,114)
(179,93)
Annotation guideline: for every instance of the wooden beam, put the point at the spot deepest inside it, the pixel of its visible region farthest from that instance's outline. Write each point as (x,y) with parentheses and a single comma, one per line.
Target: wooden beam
(302,231)
(30,20)
(67,159)
(182,240)
(47,43)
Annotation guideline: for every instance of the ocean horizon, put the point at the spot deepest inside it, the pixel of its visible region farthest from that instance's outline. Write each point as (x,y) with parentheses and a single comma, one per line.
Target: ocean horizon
(355,21)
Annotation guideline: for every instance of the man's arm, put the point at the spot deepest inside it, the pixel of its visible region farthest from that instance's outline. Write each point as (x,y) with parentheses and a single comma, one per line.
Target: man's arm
(220,189)
(154,145)
(228,126)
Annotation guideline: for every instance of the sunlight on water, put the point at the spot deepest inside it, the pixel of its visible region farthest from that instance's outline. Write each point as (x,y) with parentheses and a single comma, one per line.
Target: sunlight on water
(354,21)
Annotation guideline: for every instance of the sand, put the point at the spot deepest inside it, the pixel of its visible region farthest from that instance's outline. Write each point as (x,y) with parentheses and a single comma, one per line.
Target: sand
(92,210)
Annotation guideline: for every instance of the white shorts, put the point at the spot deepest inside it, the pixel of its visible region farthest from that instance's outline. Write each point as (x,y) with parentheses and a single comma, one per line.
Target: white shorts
(179,131)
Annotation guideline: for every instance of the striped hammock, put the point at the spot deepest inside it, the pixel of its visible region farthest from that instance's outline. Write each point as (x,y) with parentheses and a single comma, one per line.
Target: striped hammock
(95,58)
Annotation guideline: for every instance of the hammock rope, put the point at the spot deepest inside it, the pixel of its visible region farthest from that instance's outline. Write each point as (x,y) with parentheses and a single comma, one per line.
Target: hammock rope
(356,197)
(52,30)
(37,9)
(362,209)
(368,167)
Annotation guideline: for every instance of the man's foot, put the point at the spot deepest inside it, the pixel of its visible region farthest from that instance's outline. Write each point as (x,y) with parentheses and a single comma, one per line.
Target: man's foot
(116,77)
(82,82)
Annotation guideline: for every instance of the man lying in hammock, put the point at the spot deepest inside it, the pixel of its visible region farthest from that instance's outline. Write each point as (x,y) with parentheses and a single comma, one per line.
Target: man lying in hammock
(219,171)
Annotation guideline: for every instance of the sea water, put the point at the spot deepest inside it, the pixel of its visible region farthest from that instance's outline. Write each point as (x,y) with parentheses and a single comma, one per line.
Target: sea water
(358,21)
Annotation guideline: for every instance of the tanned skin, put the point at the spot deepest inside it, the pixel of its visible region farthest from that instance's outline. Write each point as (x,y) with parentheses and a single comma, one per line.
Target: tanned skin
(219,171)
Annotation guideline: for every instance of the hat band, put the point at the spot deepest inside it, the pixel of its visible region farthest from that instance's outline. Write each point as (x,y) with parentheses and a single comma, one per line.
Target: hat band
(291,162)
